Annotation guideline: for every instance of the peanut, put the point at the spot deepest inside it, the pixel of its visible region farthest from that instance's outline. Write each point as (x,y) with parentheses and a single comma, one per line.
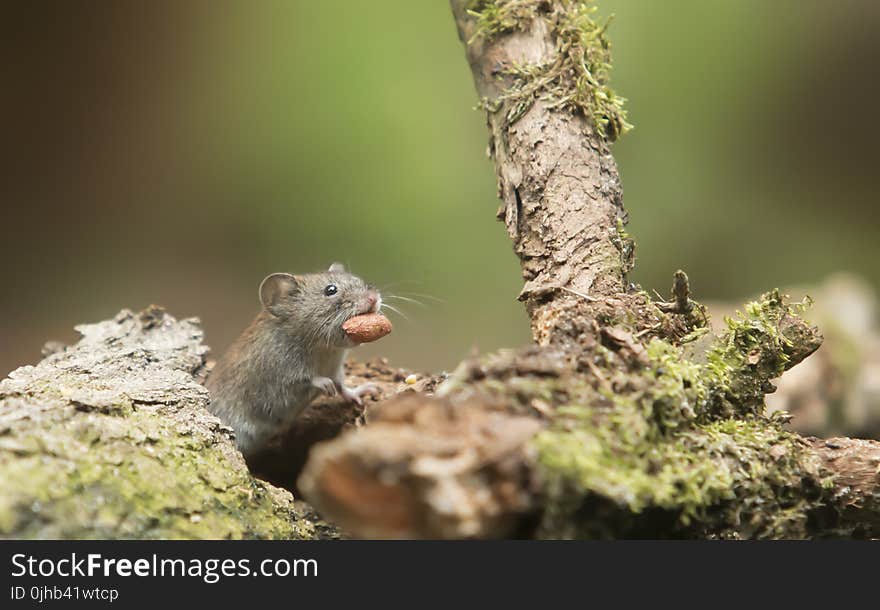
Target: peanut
(367,327)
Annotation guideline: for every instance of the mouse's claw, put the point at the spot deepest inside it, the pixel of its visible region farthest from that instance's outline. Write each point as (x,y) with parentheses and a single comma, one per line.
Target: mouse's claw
(354,394)
(325,385)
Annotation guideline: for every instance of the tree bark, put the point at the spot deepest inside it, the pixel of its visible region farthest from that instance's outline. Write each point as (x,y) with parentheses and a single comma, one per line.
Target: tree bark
(110,438)
(561,198)
(856,467)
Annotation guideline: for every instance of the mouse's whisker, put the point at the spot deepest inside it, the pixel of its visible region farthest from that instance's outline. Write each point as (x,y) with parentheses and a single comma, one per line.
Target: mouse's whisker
(395,310)
(430,297)
(403,298)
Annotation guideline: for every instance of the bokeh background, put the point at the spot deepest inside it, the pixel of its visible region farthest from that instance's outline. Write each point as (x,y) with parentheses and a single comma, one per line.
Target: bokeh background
(176,152)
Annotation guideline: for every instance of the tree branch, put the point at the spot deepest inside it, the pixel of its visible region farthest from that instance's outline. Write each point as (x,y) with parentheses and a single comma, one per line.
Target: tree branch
(561,197)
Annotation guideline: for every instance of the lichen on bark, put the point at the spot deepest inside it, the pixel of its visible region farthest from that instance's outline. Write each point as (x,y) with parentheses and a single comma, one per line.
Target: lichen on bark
(575,77)
(109,438)
(677,433)
(661,435)
(561,197)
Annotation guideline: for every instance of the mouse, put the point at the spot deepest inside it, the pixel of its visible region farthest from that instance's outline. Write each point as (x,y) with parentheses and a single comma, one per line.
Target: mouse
(291,353)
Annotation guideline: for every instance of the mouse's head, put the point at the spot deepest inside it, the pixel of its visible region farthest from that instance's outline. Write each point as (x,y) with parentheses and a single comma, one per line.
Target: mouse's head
(314,306)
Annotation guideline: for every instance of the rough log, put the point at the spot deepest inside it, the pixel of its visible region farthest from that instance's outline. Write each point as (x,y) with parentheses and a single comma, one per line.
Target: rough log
(629,418)
(109,438)
(856,467)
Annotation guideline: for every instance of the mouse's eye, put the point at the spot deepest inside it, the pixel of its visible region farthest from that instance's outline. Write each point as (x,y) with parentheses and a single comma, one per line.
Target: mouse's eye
(330,290)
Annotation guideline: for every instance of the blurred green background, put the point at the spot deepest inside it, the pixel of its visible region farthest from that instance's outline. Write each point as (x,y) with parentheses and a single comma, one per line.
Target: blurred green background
(176,152)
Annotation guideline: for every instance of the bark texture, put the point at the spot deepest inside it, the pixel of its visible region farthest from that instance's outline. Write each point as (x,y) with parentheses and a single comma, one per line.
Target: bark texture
(558,183)
(109,438)
(426,469)
(856,465)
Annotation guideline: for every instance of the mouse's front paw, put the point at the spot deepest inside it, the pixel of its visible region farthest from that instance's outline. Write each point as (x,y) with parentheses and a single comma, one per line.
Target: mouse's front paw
(354,394)
(325,385)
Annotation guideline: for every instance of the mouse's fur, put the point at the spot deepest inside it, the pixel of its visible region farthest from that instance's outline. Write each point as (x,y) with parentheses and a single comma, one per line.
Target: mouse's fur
(292,351)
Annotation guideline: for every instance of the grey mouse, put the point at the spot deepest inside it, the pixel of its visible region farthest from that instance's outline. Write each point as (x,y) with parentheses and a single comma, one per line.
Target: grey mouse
(292,352)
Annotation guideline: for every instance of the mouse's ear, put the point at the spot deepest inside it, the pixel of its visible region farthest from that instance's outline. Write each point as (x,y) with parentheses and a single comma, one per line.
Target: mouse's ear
(337,268)
(274,289)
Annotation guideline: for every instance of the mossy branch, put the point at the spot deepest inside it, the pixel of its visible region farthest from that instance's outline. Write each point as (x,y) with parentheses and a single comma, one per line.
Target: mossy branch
(577,75)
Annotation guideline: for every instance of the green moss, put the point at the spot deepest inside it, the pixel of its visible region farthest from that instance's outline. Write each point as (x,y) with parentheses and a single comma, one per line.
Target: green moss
(576,78)
(758,345)
(669,431)
(82,478)
(494,17)
(678,390)
(110,439)
(716,478)
(588,459)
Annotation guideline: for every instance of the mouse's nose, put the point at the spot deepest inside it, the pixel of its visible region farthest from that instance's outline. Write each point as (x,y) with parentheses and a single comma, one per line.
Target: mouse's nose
(372,300)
